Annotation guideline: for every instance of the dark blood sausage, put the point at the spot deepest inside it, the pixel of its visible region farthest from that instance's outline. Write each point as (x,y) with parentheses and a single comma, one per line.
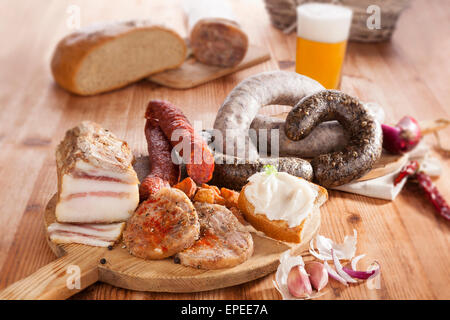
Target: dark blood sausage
(163,172)
(313,106)
(174,123)
(365,135)
(325,138)
(233,173)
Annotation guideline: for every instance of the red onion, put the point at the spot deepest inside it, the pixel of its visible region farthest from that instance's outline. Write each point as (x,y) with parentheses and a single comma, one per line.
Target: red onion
(403,137)
(358,274)
(339,269)
(333,274)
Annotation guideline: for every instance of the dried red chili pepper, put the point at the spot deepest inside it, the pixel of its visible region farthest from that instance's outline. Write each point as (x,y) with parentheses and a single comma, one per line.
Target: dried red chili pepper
(411,170)
(407,171)
(433,195)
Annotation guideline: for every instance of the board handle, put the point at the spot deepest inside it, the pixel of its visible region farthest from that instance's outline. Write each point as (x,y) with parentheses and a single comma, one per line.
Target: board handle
(57,280)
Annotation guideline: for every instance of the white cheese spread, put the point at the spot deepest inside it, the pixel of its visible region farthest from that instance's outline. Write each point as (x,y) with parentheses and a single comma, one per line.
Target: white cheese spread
(281,196)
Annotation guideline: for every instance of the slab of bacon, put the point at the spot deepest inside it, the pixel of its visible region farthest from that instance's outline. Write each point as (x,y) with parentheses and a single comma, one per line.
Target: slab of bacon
(96,179)
(98,235)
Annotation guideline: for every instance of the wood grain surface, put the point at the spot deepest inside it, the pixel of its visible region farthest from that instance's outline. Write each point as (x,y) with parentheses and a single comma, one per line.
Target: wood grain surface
(408,75)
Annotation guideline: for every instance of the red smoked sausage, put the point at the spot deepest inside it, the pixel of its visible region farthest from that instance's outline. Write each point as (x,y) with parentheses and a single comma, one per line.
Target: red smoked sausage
(171,120)
(163,172)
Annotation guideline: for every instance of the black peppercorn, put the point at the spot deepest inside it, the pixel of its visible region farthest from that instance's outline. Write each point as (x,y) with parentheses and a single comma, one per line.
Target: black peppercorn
(176,260)
(102,260)
(110,247)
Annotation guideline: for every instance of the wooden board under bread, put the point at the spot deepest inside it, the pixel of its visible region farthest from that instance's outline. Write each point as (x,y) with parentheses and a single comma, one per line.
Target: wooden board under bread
(193,73)
(388,163)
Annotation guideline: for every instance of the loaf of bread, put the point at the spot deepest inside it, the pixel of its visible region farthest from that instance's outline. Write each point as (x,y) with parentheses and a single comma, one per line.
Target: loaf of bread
(279,229)
(110,56)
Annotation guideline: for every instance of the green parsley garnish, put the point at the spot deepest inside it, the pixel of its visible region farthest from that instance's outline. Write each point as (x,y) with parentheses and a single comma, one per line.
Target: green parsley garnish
(270,169)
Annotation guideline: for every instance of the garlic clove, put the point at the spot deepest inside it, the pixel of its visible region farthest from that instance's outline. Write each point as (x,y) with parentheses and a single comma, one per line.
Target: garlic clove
(298,282)
(318,275)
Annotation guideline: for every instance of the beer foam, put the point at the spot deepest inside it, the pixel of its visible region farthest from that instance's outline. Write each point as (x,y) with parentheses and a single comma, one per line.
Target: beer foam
(323,22)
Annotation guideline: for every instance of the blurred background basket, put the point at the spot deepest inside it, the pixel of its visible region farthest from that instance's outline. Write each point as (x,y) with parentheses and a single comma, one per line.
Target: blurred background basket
(283,16)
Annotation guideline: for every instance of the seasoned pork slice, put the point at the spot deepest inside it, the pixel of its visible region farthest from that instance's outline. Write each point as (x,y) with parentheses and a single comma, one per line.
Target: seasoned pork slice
(163,225)
(97,235)
(96,179)
(223,242)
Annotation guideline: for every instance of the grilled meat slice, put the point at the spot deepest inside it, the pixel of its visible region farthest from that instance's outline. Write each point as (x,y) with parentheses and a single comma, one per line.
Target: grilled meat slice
(223,243)
(163,225)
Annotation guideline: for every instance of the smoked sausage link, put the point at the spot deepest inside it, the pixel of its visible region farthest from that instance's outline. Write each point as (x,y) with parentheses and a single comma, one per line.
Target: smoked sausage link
(163,172)
(174,123)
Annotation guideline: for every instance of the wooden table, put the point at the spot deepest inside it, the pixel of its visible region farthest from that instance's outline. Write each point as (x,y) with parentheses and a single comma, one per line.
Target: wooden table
(409,75)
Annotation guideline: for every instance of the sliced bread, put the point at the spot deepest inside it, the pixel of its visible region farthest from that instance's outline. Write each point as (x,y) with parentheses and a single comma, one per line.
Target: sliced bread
(107,57)
(279,229)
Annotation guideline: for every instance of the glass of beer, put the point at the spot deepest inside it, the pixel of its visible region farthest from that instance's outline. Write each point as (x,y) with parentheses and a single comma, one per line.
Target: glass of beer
(322,33)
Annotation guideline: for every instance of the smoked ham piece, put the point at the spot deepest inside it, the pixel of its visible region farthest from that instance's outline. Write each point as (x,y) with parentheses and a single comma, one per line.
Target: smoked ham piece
(98,235)
(96,179)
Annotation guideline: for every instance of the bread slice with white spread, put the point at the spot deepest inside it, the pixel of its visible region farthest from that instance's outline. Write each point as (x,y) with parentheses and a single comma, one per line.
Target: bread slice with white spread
(282,206)
(105,57)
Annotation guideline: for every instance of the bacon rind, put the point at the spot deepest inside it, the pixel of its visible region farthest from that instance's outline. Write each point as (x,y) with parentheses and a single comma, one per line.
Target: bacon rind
(100,235)
(97,194)
(84,175)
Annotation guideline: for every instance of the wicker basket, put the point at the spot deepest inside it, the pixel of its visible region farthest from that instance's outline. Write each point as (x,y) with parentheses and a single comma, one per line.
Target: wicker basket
(283,16)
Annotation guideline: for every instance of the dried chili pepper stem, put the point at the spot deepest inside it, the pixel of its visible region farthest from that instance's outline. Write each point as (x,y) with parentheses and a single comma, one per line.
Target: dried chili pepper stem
(409,170)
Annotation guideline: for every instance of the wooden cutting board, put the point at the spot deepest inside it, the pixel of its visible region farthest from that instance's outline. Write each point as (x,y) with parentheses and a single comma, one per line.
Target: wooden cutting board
(387,164)
(193,73)
(126,271)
